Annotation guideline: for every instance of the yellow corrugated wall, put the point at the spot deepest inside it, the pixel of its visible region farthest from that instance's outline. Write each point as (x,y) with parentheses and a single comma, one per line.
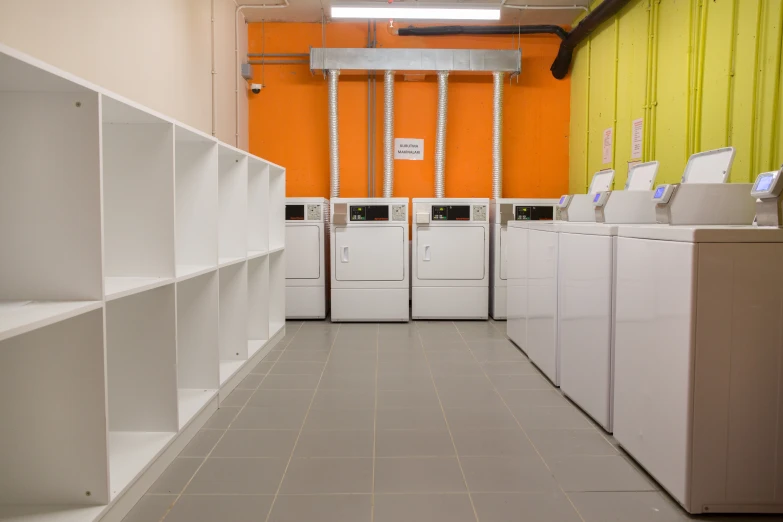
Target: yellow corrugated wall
(702,74)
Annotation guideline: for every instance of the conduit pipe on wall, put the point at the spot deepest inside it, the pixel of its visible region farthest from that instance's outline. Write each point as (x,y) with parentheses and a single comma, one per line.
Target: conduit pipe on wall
(440,134)
(388,134)
(334,137)
(497,135)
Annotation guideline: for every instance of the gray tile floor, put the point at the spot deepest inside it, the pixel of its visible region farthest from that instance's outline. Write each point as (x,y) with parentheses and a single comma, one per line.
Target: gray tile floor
(419,422)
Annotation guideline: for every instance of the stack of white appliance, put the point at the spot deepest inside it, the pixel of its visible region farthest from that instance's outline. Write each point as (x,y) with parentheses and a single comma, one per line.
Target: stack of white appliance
(532,302)
(586,283)
(307,261)
(698,392)
(369,259)
(450,258)
(501,211)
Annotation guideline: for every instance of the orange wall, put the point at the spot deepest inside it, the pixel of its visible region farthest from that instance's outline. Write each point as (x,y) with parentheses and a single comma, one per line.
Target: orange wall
(288,119)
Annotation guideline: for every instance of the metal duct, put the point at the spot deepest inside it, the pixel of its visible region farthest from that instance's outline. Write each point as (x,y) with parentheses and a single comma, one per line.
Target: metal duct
(334,137)
(388,134)
(440,134)
(497,135)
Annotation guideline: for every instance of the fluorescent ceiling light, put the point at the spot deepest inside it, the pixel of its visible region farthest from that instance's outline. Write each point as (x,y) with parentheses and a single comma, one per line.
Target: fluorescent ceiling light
(416,13)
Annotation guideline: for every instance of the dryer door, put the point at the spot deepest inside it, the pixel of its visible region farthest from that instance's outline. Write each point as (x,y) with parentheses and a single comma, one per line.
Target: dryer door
(450,252)
(303,252)
(369,253)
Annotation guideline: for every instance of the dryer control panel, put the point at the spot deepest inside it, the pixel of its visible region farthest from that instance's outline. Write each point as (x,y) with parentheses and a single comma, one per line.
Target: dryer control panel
(459,213)
(534,213)
(369,213)
(306,209)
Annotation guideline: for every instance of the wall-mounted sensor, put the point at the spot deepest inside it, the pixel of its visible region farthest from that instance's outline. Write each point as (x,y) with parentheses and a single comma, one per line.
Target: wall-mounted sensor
(256,87)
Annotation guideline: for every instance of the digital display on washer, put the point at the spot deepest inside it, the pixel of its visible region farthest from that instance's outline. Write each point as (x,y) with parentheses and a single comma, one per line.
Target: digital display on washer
(764,183)
(294,212)
(659,192)
(562,200)
(370,213)
(597,197)
(451,213)
(534,214)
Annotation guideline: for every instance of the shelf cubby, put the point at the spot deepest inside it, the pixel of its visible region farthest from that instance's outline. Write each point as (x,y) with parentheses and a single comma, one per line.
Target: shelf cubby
(53,444)
(141,378)
(276,291)
(198,377)
(232,213)
(141,268)
(276,207)
(138,199)
(257,304)
(50,199)
(233,319)
(257,207)
(196,183)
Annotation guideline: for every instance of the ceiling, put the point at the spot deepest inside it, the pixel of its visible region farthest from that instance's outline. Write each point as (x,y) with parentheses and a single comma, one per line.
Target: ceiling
(310,10)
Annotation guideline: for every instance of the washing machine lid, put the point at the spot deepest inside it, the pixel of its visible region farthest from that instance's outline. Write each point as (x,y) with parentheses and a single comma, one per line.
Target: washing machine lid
(304,249)
(369,253)
(703,233)
(451,252)
(592,229)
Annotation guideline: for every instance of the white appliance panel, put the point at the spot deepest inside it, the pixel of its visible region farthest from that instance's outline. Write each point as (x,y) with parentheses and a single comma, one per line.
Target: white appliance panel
(303,243)
(451,252)
(542,339)
(354,261)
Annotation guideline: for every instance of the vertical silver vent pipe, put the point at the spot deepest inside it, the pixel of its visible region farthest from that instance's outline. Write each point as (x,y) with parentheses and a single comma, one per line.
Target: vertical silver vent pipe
(334,137)
(440,134)
(497,135)
(388,134)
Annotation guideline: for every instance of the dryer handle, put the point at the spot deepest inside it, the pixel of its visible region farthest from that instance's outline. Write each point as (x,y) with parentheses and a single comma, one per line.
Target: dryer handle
(427,255)
(344,255)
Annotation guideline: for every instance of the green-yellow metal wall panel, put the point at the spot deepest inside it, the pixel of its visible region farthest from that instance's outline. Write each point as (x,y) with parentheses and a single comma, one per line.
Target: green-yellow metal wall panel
(715,79)
(672,104)
(602,94)
(631,82)
(577,139)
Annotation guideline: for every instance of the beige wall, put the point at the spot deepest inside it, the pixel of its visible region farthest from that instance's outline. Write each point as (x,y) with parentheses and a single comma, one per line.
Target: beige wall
(155,52)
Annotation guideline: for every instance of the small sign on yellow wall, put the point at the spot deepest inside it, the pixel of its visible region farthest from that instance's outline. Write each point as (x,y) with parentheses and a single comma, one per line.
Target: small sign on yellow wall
(607,156)
(637,135)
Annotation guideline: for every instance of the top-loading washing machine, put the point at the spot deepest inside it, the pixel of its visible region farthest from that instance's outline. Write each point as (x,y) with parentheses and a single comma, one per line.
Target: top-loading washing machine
(369,259)
(307,258)
(699,345)
(586,263)
(450,258)
(501,211)
(538,286)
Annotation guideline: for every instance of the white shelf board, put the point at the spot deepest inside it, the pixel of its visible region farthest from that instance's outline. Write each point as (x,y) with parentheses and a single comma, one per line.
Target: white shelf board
(116,287)
(130,452)
(18,513)
(227,261)
(18,317)
(189,271)
(191,402)
(257,253)
(276,249)
(275,327)
(229,367)
(254,345)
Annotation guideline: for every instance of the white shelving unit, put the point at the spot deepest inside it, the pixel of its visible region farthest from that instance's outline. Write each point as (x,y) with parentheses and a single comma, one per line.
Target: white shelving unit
(141,271)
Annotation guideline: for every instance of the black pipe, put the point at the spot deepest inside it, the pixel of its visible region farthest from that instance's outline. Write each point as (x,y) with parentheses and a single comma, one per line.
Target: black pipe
(603,12)
(451,30)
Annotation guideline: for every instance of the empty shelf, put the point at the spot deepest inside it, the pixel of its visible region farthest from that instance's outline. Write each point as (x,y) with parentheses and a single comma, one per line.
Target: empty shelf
(226,261)
(116,287)
(189,271)
(130,452)
(253,346)
(276,249)
(191,402)
(256,253)
(18,317)
(228,368)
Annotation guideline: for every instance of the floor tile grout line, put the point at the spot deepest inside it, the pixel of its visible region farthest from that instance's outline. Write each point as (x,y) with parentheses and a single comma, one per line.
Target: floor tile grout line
(182,492)
(375,420)
(446,420)
(301,428)
(540,456)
